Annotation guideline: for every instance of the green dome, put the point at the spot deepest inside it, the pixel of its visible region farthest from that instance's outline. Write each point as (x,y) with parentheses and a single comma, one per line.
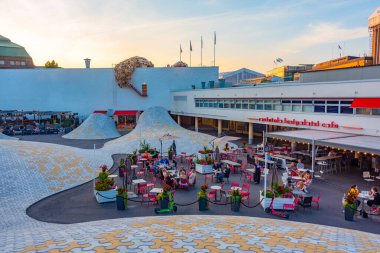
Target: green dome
(10,49)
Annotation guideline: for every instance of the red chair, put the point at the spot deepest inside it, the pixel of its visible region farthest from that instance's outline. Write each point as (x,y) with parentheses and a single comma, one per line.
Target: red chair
(152,184)
(316,200)
(141,188)
(151,198)
(212,194)
(184,184)
(247,176)
(235,184)
(245,189)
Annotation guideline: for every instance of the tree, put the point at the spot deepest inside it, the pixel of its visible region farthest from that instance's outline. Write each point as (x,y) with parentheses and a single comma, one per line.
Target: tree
(51,64)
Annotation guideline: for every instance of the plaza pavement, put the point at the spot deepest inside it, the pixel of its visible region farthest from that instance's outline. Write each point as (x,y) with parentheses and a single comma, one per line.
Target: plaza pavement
(32,171)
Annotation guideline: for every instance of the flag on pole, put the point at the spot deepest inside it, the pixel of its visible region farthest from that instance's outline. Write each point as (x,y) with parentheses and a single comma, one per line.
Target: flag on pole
(201,42)
(214,38)
(191,47)
(339,47)
(180,48)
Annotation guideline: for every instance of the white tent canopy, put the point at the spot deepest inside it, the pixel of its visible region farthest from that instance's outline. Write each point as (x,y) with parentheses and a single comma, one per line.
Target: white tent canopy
(307,135)
(361,143)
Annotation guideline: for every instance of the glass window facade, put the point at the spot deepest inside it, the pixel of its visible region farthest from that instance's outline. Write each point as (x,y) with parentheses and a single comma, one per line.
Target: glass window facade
(288,105)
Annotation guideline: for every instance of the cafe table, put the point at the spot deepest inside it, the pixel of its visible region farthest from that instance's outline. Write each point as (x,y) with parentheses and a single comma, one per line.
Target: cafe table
(156,190)
(217,188)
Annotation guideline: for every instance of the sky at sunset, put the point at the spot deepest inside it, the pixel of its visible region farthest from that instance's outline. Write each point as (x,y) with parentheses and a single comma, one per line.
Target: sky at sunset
(249,33)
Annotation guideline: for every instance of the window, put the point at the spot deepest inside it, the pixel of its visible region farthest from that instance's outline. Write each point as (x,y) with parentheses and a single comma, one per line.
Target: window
(226,103)
(296,108)
(268,107)
(375,111)
(259,105)
(320,108)
(318,102)
(197,103)
(332,102)
(277,107)
(332,109)
(23,63)
(220,103)
(365,111)
(232,104)
(346,110)
(245,104)
(307,108)
(12,62)
(238,104)
(2,62)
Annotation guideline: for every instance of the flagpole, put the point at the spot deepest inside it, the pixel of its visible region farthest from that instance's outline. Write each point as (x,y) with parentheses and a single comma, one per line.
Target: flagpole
(214,46)
(180,52)
(201,49)
(191,49)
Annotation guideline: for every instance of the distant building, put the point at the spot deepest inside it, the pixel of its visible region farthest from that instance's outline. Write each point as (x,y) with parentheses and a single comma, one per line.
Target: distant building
(263,79)
(13,55)
(344,62)
(374,29)
(238,76)
(287,72)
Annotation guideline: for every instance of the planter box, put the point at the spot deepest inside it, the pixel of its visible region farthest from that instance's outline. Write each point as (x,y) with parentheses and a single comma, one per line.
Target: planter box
(203,169)
(278,203)
(110,196)
(203,156)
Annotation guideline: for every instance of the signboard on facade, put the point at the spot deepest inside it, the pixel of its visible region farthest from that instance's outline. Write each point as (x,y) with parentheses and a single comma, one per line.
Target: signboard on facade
(305,122)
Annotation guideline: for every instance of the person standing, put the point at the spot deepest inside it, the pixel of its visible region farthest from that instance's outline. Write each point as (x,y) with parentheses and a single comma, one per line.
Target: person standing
(257,176)
(174,148)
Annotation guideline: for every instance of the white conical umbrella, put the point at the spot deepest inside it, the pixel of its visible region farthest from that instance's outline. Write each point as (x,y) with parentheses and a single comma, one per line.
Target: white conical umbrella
(226,139)
(167,137)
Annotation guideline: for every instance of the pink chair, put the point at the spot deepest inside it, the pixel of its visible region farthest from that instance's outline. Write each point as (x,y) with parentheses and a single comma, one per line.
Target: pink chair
(316,200)
(212,194)
(140,173)
(247,176)
(141,188)
(150,197)
(235,184)
(152,184)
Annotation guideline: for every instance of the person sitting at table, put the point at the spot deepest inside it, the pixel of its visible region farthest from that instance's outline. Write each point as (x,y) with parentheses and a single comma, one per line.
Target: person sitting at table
(300,186)
(300,165)
(226,147)
(376,197)
(224,173)
(217,169)
(257,167)
(192,177)
(293,170)
(182,174)
(174,163)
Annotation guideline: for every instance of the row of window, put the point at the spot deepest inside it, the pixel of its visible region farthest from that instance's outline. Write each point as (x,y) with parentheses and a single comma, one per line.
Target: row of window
(317,106)
(13,63)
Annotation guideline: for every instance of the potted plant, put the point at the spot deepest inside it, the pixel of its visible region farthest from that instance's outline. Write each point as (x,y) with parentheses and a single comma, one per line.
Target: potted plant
(163,198)
(122,168)
(282,195)
(121,199)
(202,154)
(235,200)
(350,205)
(203,198)
(104,189)
(204,166)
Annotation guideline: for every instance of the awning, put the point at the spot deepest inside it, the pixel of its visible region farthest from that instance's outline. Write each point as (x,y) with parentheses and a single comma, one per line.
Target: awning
(361,143)
(307,135)
(125,113)
(101,112)
(366,103)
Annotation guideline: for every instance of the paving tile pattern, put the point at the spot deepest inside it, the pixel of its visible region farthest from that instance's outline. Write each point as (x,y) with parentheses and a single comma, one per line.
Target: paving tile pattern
(192,234)
(31,171)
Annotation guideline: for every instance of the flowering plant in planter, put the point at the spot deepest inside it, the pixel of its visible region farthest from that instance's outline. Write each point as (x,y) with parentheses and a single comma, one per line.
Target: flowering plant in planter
(103,182)
(279,191)
(350,199)
(205,150)
(206,161)
(203,198)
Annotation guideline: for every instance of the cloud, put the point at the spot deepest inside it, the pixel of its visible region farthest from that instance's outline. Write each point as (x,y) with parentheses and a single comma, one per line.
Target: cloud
(322,33)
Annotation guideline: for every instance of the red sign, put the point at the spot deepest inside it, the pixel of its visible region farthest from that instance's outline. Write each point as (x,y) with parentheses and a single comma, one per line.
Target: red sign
(295,122)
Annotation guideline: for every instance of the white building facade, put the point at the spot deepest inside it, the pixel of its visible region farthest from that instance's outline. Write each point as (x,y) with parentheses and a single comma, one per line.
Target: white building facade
(333,106)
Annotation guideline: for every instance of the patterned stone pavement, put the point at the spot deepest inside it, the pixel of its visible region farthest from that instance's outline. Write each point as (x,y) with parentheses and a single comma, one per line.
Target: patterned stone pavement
(191,234)
(31,171)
